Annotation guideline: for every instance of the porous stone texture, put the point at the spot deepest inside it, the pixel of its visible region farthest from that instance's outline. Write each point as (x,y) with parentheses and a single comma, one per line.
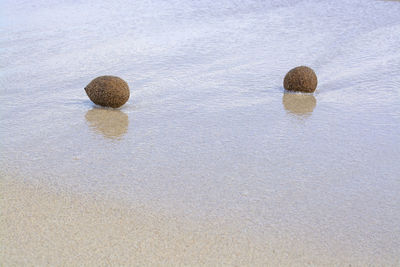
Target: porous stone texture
(301,79)
(108,91)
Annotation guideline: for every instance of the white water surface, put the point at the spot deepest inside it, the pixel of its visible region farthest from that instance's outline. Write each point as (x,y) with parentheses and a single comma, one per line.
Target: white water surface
(209,130)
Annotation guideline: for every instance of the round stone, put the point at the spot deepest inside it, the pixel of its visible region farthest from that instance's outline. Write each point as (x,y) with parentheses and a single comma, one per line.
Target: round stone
(108,91)
(301,79)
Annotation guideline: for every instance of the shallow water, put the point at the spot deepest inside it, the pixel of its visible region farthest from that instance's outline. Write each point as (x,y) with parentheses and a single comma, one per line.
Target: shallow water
(209,130)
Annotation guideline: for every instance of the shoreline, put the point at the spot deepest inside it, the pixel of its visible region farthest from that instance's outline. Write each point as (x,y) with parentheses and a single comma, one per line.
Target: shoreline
(41,227)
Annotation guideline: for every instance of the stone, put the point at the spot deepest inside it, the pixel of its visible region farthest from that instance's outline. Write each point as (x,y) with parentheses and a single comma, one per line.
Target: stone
(301,79)
(108,91)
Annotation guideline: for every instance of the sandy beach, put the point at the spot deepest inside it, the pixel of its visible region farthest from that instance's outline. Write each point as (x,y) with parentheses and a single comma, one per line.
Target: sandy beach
(41,227)
(211,161)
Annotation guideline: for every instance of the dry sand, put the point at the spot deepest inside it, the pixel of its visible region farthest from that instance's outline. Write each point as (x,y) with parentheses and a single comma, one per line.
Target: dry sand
(43,227)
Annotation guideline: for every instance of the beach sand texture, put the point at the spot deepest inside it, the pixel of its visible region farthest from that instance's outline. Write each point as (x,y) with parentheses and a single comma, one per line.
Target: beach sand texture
(40,227)
(44,228)
(210,162)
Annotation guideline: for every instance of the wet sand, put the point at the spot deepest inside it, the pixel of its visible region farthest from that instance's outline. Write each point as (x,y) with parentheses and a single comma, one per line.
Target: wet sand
(41,227)
(44,227)
(210,161)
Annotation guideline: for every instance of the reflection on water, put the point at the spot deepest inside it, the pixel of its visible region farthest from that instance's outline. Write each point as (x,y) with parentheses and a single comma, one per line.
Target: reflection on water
(110,123)
(214,134)
(299,104)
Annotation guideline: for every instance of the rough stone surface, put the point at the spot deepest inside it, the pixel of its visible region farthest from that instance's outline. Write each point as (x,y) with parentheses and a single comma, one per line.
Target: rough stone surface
(108,91)
(301,79)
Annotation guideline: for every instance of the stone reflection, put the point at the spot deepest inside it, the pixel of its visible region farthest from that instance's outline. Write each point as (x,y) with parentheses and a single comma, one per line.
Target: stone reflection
(110,123)
(299,104)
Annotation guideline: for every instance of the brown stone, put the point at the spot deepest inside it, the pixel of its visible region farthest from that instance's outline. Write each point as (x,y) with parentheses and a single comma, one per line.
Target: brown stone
(108,91)
(301,79)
